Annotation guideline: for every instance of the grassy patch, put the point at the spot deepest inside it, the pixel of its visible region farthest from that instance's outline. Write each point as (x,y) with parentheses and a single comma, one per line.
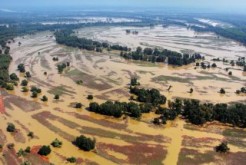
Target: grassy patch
(60,90)
(171,78)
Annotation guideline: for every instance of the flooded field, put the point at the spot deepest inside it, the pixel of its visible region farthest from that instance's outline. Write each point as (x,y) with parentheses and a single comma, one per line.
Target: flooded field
(172,38)
(106,76)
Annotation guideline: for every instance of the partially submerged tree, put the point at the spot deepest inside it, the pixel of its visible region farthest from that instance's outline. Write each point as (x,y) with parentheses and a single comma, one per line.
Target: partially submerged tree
(90,97)
(11,127)
(78,105)
(71,160)
(85,143)
(44,98)
(24,83)
(56,97)
(44,150)
(222,148)
(222,91)
(21,68)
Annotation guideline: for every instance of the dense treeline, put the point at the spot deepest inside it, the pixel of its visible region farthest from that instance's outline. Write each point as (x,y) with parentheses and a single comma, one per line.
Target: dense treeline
(5,60)
(156,55)
(117,109)
(65,37)
(200,113)
(235,33)
(152,96)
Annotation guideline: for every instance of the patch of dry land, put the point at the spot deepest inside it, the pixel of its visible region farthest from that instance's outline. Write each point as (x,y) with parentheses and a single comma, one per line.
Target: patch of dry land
(106,76)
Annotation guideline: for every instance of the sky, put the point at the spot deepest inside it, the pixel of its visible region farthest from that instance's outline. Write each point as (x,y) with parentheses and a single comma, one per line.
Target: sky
(213,4)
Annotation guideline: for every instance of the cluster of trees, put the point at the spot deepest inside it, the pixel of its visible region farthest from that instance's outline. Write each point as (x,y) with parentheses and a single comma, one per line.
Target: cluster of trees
(35,91)
(65,37)
(242,90)
(84,143)
(156,55)
(204,65)
(62,66)
(22,152)
(5,60)
(117,109)
(200,113)
(152,96)
(235,33)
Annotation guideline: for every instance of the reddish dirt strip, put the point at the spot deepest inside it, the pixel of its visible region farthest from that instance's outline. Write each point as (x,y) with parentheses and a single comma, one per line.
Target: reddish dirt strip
(2,109)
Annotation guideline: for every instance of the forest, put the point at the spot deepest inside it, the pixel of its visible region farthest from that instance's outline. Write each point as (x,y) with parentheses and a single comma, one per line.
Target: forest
(5,60)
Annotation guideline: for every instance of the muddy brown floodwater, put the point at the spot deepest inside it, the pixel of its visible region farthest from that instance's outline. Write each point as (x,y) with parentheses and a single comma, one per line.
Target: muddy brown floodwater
(106,76)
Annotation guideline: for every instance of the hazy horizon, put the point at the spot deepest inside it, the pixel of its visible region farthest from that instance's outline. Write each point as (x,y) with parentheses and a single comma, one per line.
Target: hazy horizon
(220,5)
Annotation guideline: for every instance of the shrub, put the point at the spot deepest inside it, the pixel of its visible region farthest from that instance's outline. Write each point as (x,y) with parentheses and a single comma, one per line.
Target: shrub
(78,105)
(28,149)
(71,160)
(90,97)
(56,143)
(25,89)
(30,134)
(10,86)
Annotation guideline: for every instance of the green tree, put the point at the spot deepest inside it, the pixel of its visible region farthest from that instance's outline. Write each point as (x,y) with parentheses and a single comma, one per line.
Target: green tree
(24,83)
(56,97)
(78,105)
(34,94)
(28,75)
(21,68)
(222,91)
(30,134)
(90,97)
(44,98)
(44,150)
(85,143)
(223,148)
(14,77)
(11,127)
